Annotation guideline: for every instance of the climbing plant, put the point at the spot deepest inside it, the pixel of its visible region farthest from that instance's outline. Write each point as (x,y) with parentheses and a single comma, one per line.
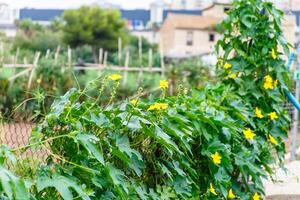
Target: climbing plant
(215,143)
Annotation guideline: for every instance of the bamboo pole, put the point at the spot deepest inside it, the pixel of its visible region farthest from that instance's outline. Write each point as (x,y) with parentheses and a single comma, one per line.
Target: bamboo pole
(1,52)
(119,50)
(105,59)
(56,54)
(36,60)
(47,53)
(69,57)
(15,62)
(162,63)
(11,79)
(100,56)
(150,57)
(125,74)
(140,50)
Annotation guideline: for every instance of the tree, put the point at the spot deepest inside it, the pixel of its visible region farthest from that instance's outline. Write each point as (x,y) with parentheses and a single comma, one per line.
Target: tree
(95,27)
(29,28)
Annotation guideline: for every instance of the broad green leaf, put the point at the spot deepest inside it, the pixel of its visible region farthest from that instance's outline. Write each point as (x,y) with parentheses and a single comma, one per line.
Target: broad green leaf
(64,185)
(88,142)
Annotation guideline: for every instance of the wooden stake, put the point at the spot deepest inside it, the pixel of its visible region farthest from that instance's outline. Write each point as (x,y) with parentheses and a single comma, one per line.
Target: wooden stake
(100,56)
(162,63)
(69,57)
(125,74)
(36,60)
(150,55)
(56,54)
(120,50)
(105,59)
(15,62)
(47,53)
(140,51)
(2,52)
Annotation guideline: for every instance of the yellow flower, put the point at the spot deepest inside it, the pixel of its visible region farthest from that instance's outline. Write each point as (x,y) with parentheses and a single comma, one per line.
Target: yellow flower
(256,196)
(227,66)
(268,85)
(268,78)
(249,134)
(216,158)
(273,53)
(158,106)
(212,189)
(231,195)
(233,75)
(273,115)
(134,102)
(163,84)
(115,77)
(258,113)
(273,140)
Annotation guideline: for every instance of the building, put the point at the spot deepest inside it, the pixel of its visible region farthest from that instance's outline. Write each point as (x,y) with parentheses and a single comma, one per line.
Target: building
(8,16)
(41,16)
(185,35)
(187,4)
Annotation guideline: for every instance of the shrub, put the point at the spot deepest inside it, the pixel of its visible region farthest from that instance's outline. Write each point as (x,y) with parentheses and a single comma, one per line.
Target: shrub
(215,143)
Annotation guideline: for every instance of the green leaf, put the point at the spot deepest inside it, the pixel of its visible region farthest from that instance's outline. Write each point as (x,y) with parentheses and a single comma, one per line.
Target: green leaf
(64,185)
(88,142)
(13,186)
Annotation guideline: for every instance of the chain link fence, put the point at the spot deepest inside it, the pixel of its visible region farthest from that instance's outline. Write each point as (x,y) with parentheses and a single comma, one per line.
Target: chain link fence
(17,135)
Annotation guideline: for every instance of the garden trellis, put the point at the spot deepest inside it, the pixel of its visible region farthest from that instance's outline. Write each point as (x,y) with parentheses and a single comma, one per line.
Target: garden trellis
(102,65)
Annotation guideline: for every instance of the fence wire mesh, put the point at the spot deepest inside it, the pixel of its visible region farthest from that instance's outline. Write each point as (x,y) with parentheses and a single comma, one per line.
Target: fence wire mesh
(17,135)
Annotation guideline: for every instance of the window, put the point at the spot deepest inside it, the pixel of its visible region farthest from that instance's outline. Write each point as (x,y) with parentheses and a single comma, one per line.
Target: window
(190,38)
(211,37)
(226,9)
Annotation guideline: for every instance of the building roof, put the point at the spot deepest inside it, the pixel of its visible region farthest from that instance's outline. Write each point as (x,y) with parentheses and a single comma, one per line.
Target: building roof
(137,14)
(40,14)
(188,12)
(49,14)
(184,21)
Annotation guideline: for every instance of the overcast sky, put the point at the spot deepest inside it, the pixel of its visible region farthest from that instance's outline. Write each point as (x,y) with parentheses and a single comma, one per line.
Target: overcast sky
(73,3)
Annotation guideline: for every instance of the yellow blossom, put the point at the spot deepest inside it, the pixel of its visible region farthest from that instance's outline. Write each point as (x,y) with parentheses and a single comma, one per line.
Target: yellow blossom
(233,75)
(268,78)
(212,189)
(163,84)
(272,140)
(216,158)
(227,66)
(249,134)
(273,53)
(231,195)
(158,106)
(268,84)
(256,196)
(273,115)
(258,113)
(115,77)
(134,102)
